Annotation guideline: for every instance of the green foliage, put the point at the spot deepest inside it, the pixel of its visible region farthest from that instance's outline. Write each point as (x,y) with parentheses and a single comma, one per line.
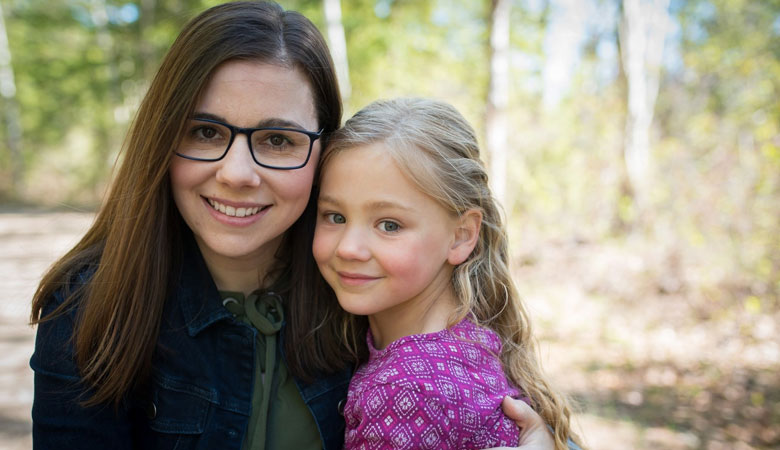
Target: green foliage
(716,138)
(80,70)
(426,48)
(719,119)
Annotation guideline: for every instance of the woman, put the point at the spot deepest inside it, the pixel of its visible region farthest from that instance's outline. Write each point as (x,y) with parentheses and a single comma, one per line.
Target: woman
(163,327)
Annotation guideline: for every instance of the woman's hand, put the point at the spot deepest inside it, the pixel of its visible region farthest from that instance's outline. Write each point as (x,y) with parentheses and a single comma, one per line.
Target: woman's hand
(534,434)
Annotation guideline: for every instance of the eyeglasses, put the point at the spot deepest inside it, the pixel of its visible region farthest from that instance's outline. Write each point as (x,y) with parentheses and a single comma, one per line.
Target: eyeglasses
(271,147)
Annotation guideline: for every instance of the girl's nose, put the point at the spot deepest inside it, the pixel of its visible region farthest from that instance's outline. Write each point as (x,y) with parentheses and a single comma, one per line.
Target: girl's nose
(353,245)
(237,168)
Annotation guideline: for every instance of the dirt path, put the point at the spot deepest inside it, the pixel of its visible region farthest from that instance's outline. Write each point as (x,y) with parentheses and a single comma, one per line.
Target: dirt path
(29,243)
(649,369)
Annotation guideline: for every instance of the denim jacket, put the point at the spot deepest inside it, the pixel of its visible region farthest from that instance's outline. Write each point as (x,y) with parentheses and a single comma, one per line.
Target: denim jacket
(199,395)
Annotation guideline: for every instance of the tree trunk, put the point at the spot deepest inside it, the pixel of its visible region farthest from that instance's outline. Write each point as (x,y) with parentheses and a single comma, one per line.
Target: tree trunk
(498,97)
(146,51)
(642,33)
(99,13)
(104,126)
(338,47)
(13,123)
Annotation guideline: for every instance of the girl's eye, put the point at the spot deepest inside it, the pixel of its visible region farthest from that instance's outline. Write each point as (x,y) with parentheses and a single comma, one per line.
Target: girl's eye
(335,218)
(389,226)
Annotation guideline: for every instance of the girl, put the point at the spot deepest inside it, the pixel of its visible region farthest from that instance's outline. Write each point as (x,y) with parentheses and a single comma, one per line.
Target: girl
(409,237)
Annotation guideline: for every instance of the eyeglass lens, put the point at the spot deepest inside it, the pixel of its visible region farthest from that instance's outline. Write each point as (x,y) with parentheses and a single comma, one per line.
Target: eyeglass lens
(279,148)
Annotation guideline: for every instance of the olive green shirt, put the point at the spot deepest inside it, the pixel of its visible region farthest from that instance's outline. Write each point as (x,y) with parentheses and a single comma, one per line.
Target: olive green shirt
(279,419)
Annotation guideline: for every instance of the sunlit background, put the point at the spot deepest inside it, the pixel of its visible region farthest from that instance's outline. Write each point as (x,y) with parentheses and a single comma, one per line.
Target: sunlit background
(635,145)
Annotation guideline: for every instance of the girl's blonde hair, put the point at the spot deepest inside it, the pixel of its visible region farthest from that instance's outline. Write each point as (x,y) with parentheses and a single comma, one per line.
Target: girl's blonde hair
(437,149)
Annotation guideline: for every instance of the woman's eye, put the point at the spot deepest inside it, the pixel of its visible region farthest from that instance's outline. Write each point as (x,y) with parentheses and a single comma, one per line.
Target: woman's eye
(389,226)
(277,140)
(335,218)
(205,133)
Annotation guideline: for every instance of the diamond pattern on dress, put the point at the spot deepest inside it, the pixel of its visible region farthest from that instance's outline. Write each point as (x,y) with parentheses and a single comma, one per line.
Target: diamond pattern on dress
(432,391)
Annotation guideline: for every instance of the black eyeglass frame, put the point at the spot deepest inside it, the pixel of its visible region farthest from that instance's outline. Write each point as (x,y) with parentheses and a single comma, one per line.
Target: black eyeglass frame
(234,130)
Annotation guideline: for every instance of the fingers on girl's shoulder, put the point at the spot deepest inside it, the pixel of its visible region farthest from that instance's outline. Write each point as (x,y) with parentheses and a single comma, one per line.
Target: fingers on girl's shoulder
(519,410)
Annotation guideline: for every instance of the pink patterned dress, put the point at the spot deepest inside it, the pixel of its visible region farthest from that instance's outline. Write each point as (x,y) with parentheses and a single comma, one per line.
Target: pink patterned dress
(431,391)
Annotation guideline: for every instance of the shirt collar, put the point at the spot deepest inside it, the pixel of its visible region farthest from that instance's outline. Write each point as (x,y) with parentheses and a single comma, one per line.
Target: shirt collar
(196,292)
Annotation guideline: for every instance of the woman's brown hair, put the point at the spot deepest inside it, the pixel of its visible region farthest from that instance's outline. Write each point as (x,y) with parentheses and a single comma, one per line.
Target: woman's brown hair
(131,250)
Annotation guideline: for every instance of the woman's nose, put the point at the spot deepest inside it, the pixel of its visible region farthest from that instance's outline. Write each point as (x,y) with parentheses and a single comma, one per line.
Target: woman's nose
(238,168)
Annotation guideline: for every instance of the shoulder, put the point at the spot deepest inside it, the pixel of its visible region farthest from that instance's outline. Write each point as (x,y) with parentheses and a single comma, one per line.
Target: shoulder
(436,379)
(437,410)
(403,370)
(470,334)
(69,288)
(389,415)
(53,354)
(446,361)
(438,367)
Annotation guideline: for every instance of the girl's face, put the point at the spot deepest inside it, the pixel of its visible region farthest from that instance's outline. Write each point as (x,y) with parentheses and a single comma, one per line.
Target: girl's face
(238,210)
(381,243)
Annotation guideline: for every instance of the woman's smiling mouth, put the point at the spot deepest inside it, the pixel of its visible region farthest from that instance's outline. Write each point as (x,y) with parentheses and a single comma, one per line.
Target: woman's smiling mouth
(233,211)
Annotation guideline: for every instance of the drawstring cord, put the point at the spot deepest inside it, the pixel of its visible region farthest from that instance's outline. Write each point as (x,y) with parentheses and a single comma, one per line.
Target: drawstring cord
(265,313)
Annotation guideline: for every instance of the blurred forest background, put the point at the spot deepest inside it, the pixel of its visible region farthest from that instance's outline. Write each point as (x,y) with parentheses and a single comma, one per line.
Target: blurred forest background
(635,144)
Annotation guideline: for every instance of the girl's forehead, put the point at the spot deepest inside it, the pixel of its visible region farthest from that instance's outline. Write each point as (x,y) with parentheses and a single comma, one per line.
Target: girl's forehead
(372,154)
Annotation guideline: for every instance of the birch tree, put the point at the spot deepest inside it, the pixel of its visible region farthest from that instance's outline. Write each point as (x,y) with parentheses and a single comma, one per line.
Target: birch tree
(642,32)
(10,107)
(498,96)
(338,46)
(105,126)
(146,20)
(99,15)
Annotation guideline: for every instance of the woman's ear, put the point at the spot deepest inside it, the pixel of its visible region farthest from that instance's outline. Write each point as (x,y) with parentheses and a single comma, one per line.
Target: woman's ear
(466,236)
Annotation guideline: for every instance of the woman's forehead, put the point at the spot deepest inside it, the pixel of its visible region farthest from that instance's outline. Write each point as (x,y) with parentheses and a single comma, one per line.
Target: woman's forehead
(243,92)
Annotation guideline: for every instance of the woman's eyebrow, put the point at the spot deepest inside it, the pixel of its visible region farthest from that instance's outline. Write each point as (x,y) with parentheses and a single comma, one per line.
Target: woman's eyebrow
(270,122)
(277,122)
(205,115)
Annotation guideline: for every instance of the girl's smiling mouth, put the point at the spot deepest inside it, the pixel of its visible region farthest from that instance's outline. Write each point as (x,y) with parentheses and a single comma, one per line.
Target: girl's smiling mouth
(355,279)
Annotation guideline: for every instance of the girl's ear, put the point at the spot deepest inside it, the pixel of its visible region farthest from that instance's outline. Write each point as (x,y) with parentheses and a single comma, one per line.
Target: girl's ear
(466,236)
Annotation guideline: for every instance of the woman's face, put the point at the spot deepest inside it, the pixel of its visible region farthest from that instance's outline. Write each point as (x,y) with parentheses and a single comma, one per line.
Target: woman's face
(238,210)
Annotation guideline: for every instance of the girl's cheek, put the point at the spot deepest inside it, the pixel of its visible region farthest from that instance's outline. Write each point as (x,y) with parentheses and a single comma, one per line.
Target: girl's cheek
(320,245)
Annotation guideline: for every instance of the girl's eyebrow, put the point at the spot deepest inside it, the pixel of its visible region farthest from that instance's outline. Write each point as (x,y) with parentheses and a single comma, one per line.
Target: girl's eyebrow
(376,205)
(324,198)
(383,204)
(270,122)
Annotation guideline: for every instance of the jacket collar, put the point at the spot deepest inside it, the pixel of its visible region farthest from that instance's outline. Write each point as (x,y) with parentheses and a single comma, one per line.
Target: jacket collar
(196,292)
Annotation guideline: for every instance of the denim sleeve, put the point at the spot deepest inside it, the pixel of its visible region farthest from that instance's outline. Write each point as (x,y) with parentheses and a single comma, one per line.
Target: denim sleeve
(59,420)
(571,444)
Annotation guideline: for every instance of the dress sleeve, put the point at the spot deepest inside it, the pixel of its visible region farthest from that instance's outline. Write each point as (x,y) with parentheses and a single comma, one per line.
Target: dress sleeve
(496,430)
(59,421)
(402,417)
